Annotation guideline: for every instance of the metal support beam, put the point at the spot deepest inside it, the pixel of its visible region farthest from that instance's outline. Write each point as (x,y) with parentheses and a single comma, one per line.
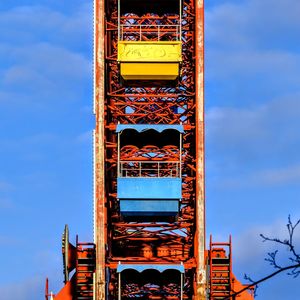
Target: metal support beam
(200,180)
(99,193)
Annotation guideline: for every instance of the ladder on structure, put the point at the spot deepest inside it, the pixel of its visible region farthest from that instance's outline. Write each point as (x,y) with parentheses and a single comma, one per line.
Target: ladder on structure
(85,266)
(220,270)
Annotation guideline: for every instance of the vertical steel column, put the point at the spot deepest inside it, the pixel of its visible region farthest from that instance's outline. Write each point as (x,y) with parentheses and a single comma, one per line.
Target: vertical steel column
(119,20)
(200,180)
(181,286)
(180,155)
(180,20)
(119,287)
(99,200)
(119,157)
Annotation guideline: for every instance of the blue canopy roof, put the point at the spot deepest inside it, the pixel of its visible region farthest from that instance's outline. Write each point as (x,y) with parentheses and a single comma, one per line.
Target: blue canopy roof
(144,127)
(141,268)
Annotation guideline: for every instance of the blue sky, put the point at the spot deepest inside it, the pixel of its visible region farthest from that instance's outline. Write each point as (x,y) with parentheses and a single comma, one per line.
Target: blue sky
(253,140)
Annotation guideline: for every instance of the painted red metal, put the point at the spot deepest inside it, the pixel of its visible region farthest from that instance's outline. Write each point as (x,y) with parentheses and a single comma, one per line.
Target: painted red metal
(222,282)
(150,103)
(100,200)
(179,241)
(66,293)
(201,280)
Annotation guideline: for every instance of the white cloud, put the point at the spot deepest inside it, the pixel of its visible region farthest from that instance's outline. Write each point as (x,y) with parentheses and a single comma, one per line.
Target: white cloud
(31,142)
(45,80)
(235,125)
(224,24)
(30,289)
(4,185)
(86,137)
(287,175)
(249,250)
(45,55)
(252,49)
(271,65)
(30,24)
(6,203)
(10,240)
(44,72)
(253,141)
(270,128)
(254,147)
(247,23)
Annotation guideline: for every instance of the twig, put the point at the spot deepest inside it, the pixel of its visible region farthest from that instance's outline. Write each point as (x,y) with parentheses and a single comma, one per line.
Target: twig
(262,280)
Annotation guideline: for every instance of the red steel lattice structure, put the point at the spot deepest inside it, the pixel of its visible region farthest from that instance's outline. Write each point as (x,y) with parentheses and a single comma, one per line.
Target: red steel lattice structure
(174,245)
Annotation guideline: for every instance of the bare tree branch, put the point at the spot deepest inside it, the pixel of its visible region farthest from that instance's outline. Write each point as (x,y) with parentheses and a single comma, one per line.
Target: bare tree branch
(273,260)
(289,242)
(255,283)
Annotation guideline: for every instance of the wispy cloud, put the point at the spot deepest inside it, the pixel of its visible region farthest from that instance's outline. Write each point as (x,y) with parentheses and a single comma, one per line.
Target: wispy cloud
(6,203)
(41,73)
(85,137)
(31,24)
(252,51)
(31,289)
(259,144)
(45,55)
(249,250)
(288,175)
(4,185)
(45,82)
(253,23)
(10,240)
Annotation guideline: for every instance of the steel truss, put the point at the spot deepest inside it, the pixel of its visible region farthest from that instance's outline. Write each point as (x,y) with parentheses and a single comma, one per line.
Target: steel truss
(151,103)
(175,241)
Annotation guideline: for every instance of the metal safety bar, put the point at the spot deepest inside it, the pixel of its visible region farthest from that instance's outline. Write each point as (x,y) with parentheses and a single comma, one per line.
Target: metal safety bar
(149,169)
(179,26)
(161,30)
